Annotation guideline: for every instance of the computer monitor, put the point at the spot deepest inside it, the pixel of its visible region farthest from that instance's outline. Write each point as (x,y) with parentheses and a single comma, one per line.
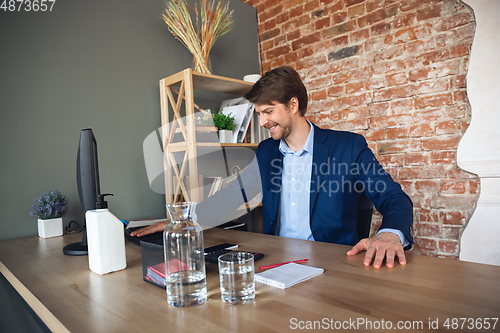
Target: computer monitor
(87,177)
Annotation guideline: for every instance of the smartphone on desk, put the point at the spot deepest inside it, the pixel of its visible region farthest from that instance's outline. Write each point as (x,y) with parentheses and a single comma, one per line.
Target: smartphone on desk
(220,247)
(212,253)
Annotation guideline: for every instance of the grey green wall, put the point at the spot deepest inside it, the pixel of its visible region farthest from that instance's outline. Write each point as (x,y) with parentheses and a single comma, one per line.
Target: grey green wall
(92,64)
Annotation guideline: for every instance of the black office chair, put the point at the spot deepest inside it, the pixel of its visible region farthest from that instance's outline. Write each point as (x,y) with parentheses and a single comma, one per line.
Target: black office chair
(365,211)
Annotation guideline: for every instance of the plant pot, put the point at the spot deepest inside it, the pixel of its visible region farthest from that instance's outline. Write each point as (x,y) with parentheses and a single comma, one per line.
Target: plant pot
(225,136)
(50,228)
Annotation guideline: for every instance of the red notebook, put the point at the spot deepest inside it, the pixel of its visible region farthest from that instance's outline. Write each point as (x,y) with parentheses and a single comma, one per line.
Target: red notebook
(173,266)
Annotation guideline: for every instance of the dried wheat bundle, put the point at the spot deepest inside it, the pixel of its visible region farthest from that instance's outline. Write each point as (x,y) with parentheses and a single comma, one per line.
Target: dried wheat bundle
(214,23)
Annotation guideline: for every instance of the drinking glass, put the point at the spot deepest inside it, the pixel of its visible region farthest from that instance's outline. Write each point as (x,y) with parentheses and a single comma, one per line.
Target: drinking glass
(236,275)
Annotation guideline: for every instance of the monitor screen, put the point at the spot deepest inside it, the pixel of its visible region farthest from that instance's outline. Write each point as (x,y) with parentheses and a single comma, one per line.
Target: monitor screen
(87,170)
(87,177)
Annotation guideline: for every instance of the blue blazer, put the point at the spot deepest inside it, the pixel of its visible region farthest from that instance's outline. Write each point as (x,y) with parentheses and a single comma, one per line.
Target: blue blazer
(343,168)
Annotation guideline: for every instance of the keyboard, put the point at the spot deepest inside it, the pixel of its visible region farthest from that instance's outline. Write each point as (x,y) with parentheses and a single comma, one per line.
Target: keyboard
(154,238)
(157,238)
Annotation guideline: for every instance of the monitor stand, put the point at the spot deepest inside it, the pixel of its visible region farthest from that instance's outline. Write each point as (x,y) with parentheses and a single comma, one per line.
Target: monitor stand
(77,249)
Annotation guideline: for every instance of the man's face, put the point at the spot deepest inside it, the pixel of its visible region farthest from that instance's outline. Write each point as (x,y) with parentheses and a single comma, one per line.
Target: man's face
(277,118)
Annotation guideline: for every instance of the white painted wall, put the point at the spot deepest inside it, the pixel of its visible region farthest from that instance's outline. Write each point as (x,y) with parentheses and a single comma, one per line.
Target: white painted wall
(479,150)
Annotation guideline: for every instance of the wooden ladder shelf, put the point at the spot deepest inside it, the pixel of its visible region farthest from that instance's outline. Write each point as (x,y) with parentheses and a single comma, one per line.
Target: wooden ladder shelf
(174,90)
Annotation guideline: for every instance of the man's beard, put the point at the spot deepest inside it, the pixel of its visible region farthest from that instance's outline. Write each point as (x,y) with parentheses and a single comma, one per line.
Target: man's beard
(285,132)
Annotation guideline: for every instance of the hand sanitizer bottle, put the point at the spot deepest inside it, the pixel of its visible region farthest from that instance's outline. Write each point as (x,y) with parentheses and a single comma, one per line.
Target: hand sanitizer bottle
(106,239)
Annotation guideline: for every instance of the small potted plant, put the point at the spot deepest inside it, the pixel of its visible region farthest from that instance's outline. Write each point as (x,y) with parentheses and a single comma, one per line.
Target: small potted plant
(50,208)
(225,125)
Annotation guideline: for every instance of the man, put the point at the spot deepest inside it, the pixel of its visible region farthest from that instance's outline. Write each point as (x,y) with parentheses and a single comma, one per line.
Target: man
(312,179)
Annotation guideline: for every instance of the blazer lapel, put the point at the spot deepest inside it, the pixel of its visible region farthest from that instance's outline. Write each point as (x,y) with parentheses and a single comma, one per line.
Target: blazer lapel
(276,184)
(320,156)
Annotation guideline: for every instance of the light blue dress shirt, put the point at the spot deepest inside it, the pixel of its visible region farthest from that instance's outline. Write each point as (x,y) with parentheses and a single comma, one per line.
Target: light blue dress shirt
(296,191)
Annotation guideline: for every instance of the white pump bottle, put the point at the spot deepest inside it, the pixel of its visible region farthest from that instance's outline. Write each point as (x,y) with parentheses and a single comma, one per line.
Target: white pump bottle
(106,239)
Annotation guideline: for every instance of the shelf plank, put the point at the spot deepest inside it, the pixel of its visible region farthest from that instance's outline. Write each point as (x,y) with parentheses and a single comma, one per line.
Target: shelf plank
(212,82)
(182,146)
(177,146)
(227,145)
(200,128)
(239,145)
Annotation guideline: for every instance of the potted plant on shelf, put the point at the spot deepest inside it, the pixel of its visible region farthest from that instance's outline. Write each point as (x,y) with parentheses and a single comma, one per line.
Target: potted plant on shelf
(50,208)
(225,125)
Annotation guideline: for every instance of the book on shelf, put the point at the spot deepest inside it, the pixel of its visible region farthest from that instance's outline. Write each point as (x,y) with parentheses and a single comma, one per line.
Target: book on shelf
(258,133)
(216,184)
(254,129)
(204,188)
(246,122)
(243,111)
(233,102)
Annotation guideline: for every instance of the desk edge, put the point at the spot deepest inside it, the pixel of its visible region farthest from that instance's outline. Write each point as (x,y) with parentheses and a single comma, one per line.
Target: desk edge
(45,315)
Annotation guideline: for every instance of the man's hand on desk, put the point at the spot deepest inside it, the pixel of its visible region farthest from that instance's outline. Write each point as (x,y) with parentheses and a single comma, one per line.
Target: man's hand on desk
(384,245)
(158,226)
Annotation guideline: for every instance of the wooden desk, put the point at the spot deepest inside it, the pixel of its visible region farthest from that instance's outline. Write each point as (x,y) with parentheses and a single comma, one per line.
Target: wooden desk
(425,289)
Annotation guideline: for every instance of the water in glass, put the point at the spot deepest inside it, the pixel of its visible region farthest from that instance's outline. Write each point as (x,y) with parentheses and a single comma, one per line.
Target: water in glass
(236,274)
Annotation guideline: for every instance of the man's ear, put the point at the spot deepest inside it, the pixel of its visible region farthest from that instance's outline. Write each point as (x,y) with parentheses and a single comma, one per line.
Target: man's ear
(294,105)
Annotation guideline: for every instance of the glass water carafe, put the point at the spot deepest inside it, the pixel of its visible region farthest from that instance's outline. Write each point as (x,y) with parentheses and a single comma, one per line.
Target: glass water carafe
(184,257)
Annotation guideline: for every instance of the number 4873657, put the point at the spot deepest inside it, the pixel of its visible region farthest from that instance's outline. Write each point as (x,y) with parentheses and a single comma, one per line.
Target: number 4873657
(27,5)
(471,323)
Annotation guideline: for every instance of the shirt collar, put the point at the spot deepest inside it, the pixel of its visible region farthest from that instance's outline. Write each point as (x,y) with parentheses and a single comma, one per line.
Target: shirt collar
(308,146)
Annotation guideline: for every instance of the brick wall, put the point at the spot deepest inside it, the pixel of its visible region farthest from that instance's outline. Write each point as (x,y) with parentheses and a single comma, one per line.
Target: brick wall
(394,71)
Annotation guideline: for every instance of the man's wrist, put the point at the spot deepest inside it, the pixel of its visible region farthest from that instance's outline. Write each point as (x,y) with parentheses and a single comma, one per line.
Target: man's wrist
(404,241)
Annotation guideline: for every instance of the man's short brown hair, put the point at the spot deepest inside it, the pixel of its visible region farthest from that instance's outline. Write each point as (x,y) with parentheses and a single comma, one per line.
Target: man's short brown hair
(279,85)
